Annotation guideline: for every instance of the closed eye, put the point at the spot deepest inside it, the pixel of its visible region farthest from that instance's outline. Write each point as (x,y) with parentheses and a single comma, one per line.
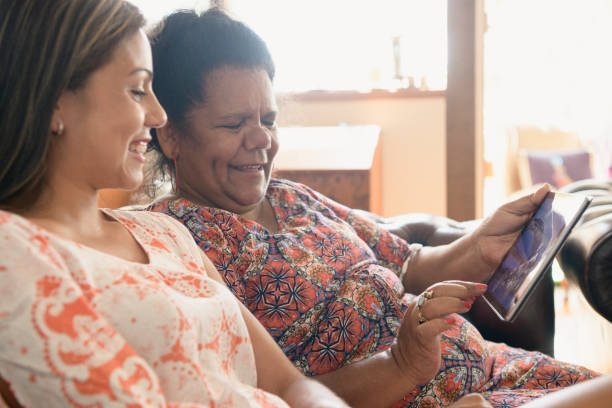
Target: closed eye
(138,93)
(269,120)
(269,124)
(233,125)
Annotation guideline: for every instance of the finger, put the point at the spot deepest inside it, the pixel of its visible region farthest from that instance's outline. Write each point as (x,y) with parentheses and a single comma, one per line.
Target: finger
(434,327)
(442,306)
(457,288)
(539,195)
(527,203)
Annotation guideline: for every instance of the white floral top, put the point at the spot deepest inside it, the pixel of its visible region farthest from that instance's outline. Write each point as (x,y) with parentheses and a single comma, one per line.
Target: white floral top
(79,327)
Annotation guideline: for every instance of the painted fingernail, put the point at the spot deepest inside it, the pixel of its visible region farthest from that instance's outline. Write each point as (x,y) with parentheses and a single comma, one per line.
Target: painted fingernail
(481,285)
(450,320)
(467,304)
(473,298)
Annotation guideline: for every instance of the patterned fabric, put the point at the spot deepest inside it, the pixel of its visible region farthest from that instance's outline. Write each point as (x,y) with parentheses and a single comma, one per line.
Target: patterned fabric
(82,328)
(326,287)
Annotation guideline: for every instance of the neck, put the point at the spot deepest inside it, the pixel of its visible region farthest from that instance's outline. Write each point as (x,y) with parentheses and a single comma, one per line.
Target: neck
(261,213)
(67,210)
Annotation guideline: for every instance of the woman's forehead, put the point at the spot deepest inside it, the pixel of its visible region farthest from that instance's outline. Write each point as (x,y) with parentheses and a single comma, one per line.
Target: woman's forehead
(236,89)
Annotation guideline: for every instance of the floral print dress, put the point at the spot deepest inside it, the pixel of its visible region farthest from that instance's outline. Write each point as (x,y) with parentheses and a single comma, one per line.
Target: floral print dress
(82,328)
(326,287)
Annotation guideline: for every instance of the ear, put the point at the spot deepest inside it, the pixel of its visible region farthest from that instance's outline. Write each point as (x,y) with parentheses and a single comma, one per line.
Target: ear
(168,139)
(57,123)
(66,108)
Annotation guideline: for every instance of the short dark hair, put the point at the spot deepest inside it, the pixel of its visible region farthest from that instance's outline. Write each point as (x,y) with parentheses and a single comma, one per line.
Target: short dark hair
(47,47)
(187,47)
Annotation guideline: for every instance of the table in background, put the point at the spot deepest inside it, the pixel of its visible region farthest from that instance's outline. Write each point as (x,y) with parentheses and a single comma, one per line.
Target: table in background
(341,162)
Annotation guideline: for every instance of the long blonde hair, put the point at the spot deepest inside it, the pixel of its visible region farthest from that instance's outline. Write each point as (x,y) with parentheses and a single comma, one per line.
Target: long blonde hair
(47,47)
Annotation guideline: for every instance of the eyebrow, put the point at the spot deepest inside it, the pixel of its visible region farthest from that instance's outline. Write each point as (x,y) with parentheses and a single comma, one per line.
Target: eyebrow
(137,70)
(241,115)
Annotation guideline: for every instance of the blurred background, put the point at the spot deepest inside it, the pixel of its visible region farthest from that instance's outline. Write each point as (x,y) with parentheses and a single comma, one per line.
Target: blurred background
(546,68)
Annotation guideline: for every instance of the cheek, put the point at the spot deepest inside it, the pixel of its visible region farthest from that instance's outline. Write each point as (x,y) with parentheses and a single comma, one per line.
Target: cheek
(273,148)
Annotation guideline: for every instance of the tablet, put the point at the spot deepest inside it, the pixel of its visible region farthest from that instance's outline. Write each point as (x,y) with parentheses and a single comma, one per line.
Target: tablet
(524,264)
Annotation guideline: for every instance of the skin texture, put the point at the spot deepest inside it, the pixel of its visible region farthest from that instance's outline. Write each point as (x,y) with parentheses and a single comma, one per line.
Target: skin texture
(474,256)
(233,127)
(103,122)
(225,159)
(115,110)
(418,345)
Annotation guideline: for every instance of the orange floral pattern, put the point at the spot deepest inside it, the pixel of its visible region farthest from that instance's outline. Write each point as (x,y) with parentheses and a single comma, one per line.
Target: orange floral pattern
(326,288)
(82,328)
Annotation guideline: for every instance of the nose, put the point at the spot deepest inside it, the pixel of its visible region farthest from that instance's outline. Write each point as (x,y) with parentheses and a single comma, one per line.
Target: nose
(156,115)
(258,137)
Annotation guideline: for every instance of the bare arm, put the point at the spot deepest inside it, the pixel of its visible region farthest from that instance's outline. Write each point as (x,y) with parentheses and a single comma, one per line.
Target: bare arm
(373,382)
(275,373)
(378,381)
(596,393)
(360,384)
(474,256)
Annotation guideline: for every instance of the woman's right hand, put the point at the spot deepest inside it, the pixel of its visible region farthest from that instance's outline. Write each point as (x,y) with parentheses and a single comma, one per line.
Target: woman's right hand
(417,348)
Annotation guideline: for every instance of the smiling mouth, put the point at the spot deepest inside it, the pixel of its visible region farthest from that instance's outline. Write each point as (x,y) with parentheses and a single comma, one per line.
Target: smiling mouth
(140,148)
(248,167)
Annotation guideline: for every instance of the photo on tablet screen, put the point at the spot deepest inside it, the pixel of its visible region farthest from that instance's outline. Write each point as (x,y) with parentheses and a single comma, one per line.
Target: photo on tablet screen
(533,251)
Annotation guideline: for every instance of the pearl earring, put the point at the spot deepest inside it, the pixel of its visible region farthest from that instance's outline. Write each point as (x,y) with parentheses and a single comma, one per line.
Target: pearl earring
(60,128)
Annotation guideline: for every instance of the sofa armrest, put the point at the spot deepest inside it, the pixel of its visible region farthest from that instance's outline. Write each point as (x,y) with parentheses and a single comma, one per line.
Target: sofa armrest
(586,258)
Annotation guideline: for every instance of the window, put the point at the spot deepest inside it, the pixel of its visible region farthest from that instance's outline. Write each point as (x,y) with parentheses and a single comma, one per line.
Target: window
(155,10)
(342,44)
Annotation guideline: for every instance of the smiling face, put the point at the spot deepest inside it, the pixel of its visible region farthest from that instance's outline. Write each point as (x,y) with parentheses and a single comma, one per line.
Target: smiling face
(226,158)
(107,122)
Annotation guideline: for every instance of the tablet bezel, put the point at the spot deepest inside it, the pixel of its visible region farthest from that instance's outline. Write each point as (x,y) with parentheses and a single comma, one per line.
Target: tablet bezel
(539,269)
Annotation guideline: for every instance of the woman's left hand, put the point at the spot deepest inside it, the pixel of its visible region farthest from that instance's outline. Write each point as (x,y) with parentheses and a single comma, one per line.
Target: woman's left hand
(416,351)
(496,234)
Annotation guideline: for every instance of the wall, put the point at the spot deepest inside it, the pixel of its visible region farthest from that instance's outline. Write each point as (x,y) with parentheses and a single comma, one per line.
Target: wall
(413,143)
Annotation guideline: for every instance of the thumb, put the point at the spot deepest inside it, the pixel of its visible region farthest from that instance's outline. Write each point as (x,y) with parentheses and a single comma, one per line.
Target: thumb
(529,202)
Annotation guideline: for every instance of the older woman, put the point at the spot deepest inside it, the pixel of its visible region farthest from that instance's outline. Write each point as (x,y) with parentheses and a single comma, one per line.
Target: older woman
(327,283)
(103,308)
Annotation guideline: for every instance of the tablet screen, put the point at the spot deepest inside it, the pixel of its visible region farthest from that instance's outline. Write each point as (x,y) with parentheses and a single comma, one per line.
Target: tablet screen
(533,251)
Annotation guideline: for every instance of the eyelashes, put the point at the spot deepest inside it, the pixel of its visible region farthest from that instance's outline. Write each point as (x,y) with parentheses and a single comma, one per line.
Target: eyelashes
(138,93)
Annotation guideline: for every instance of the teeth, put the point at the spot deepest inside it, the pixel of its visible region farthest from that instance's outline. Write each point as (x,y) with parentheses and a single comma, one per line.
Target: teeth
(138,148)
(250,167)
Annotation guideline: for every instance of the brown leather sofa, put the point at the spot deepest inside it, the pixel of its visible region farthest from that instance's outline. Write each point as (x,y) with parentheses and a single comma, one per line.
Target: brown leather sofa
(534,328)
(586,258)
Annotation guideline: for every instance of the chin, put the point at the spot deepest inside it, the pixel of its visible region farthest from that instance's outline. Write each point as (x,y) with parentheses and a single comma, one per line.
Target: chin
(250,201)
(131,183)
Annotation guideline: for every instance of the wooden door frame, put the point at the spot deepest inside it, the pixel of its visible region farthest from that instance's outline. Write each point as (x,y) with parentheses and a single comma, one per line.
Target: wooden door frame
(464,135)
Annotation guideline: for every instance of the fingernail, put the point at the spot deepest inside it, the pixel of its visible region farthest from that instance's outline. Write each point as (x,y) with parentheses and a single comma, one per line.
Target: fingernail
(449,320)
(473,298)
(467,304)
(481,285)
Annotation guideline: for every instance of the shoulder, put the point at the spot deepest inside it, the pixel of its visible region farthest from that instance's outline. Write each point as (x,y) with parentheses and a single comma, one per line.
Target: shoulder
(197,218)
(156,228)
(287,185)
(18,235)
(28,252)
(14,224)
(297,197)
(287,190)
(182,209)
(153,221)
